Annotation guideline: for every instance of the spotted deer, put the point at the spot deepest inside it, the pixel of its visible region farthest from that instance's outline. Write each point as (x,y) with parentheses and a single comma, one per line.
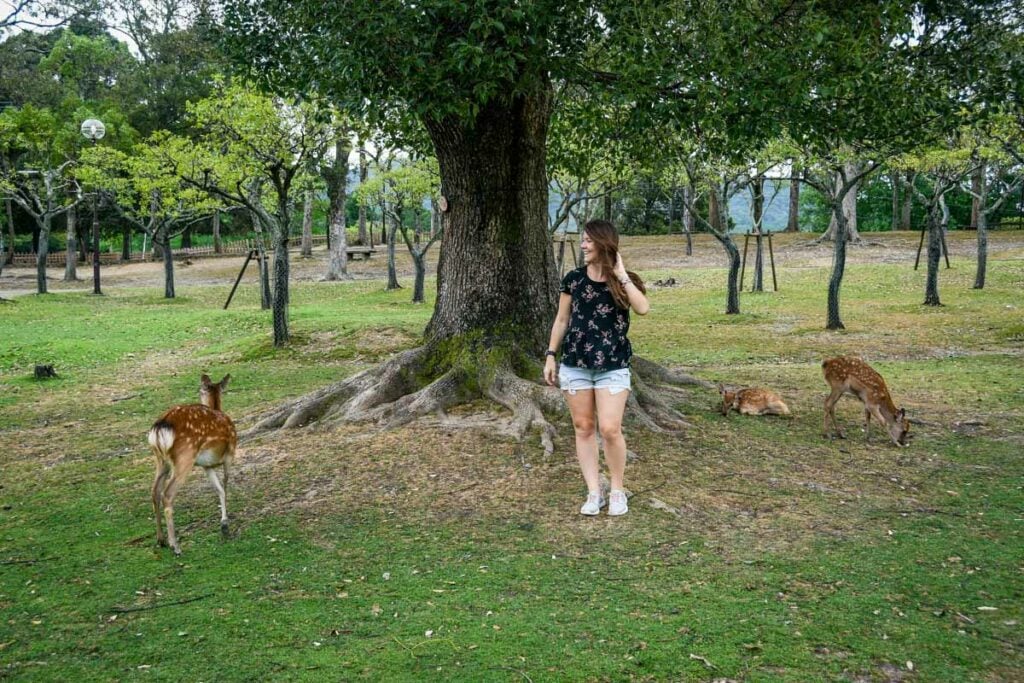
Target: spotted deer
(752,401)
(851,375)
(186,435)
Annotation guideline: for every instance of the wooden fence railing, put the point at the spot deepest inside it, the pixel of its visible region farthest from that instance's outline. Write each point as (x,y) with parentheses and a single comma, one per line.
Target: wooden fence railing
(234,248)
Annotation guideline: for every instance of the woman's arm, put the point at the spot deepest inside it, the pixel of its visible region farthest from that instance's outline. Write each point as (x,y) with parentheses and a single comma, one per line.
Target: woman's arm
(558,329)
(637,301)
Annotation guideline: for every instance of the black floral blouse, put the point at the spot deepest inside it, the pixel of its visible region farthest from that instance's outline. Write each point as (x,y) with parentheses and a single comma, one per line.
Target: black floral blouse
(596,336)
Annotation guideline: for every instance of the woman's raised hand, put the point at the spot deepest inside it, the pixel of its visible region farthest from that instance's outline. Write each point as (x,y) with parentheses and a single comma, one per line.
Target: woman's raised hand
(620,267)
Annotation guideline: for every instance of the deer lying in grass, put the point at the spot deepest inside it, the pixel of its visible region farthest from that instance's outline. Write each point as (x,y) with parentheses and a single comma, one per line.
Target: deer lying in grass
(752,401)
(851,375)
(186,435)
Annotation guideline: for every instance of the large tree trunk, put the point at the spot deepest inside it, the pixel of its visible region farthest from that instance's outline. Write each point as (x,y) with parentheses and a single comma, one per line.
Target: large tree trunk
(306,247)
(496,240)
(908,201)
(71,250)
(168,259)
(793,221)
(337,264)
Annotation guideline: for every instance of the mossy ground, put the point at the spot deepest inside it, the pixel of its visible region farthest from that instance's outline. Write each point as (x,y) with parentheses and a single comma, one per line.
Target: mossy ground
(754,549)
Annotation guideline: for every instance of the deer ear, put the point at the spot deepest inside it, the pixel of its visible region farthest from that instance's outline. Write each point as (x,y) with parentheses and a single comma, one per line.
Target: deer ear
(721,388)
(224,382)
(205,379)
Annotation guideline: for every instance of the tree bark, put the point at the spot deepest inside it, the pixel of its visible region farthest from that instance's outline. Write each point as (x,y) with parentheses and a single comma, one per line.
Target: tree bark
(496,238)
(908,201)
(186,238)
(71,251)
(688,220)
(419,261)
(306,248)
(218,246)
(977,183)
(981,222)
(793,220)
(849,209)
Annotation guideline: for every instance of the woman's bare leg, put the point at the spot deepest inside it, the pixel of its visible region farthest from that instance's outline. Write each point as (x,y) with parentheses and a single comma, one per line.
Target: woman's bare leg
(581,405)
(610,408)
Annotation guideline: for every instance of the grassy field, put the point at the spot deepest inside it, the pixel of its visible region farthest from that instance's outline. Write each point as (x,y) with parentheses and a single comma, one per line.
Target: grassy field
(754,550)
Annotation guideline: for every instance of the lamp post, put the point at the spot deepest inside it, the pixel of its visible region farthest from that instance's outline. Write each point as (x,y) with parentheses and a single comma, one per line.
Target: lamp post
(93,129)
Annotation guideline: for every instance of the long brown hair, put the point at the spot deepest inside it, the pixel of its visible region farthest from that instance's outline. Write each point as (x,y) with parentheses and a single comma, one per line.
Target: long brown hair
(606,241)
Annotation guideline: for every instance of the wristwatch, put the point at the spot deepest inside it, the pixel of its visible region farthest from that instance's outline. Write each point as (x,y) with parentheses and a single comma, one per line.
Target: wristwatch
(551,353)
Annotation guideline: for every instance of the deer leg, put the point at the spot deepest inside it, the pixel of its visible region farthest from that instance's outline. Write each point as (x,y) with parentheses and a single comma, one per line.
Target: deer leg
(221,494)
(830,404)
(163,469)
(867,425)
(177,479)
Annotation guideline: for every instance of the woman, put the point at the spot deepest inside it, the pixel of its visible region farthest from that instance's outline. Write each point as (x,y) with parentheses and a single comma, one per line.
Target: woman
(590,328)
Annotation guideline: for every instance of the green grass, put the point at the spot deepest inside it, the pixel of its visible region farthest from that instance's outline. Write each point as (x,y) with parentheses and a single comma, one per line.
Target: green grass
(790,559)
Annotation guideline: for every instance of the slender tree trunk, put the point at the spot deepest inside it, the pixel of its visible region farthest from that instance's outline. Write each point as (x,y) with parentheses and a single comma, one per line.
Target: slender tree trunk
(793,221)
(834,321)
(758,211)
(337,265)
(908,201)
(218,246)
(496,238)
(71,251)
(126,243)
(849,209)
(9,254)
(265,298)
(168,259)
(894,178)
(719,219)
(82,230)
(420,262)
(931,291)
(43,251)
(306,247)
(607,204)
(281,268)
(363,173)
(186,238)
(392,236)
(981,223)
(977,181)
(688,220)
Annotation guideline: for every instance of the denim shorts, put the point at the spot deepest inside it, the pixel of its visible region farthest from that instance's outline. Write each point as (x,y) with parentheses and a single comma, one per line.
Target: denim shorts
(575,379)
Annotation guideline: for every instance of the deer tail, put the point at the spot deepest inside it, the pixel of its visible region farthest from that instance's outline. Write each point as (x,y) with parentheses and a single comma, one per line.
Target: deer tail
(161,438)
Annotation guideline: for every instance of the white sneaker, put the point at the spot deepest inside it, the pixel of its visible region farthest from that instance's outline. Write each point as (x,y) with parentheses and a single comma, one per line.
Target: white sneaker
(617,505)
(593,505)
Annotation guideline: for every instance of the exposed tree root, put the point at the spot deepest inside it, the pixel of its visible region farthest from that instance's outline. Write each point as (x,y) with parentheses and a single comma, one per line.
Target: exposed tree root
(414,384)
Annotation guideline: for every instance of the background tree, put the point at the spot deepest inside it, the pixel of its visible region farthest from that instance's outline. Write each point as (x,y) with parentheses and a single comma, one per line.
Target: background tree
(249,142)
(146,192)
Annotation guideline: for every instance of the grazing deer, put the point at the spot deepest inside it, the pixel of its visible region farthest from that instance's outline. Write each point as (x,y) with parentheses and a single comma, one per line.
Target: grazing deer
(187,435)
(851,375)
(752,401)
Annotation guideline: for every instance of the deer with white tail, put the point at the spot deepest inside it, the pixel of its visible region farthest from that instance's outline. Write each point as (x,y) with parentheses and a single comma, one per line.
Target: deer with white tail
(851,375)
(184,436)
